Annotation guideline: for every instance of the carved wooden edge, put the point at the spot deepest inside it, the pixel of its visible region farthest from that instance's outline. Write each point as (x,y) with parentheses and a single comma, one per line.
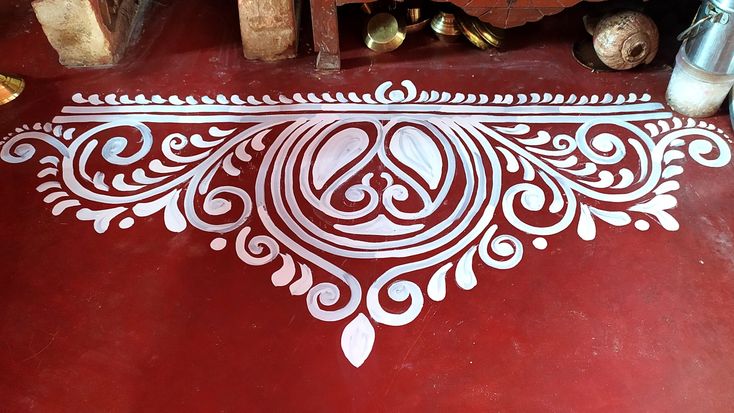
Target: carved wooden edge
(499,14)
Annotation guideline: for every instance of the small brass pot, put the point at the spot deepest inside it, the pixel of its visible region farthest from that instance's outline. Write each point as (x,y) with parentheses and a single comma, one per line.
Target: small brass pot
(384,32)
(446,27)
(10,88)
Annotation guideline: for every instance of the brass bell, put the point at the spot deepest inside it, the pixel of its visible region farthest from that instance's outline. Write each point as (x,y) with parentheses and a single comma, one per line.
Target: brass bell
(10,88)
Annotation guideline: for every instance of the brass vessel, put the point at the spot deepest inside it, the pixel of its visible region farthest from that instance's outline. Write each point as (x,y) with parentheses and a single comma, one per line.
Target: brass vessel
(416,17)
(384,32)
(416,27)
(471,32)
(414,14)
(492,35)
(10,88)
(446,27)
(480,34)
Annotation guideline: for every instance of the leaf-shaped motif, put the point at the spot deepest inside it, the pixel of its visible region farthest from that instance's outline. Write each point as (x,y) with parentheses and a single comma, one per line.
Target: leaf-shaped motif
(101,218)
(339,150)
(437,285)
(616,218)
(418,152)
(586,227)
(172,216)
(657,207)
(285,274)
(304,283)
(357,340)
(465,277)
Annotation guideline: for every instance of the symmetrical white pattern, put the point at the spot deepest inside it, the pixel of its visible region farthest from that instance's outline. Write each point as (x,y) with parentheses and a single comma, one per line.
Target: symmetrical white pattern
(418,181)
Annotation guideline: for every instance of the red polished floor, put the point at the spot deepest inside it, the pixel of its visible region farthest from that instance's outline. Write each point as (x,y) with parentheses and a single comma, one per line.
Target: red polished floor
(157,311)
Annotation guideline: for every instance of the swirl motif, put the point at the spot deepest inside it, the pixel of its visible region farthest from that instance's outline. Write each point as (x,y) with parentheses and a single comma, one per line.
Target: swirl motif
(82,174)
(328,164)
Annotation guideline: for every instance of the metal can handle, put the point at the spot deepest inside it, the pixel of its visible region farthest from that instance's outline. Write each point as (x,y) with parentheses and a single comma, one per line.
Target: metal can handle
(686,33)
(712,12)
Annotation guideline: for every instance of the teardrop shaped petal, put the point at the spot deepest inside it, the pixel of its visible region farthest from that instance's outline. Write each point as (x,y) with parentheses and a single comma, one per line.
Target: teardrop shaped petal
(285,274)
(358,338)
(338,151)
(465,277)
(437,285)
(419,152)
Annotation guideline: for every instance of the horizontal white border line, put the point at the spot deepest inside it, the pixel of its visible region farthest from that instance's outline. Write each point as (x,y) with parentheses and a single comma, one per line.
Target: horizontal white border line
(359,107)
(413,116)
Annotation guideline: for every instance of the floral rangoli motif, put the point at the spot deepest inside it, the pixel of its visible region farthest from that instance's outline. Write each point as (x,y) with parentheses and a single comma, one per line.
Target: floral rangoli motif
(428,182)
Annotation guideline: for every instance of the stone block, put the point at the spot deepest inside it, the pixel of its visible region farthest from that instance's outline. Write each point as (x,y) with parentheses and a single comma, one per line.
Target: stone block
(269,28)
(87,32)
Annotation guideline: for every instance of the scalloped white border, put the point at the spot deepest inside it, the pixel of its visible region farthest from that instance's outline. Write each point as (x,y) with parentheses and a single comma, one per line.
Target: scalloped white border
(383,95)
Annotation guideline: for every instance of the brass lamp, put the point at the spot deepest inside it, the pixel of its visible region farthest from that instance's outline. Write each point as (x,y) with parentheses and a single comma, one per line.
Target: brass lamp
(10,88)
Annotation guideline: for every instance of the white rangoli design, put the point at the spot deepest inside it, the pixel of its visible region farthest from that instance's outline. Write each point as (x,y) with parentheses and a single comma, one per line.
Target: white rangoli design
(425,184)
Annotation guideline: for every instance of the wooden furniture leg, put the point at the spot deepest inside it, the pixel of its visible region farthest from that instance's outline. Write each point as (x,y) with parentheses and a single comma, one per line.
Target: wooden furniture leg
(325,34)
